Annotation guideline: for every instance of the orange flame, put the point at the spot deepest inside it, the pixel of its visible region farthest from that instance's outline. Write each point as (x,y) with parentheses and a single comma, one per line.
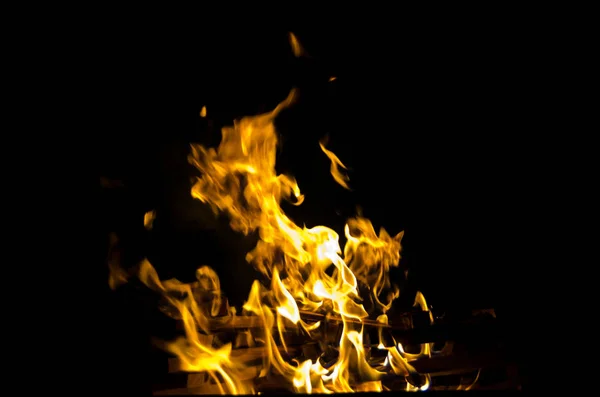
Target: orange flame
(297,48)
(149,219)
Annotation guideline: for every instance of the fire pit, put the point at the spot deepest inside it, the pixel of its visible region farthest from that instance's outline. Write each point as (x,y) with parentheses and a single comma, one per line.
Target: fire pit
(319,317)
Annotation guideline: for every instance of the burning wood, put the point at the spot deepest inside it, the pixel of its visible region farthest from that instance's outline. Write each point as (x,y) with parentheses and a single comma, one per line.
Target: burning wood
(307,329)
(445,369)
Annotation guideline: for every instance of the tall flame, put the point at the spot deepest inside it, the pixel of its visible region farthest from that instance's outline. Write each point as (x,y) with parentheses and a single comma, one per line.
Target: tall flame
(306,267)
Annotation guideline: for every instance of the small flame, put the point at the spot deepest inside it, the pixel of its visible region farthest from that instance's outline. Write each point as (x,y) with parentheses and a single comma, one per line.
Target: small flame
(203,111)
(297,48)
(116,274)
(335,164)
(470,385)
(149,219)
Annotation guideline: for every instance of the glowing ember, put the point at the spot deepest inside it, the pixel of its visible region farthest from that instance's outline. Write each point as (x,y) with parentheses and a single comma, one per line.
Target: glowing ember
(305,266)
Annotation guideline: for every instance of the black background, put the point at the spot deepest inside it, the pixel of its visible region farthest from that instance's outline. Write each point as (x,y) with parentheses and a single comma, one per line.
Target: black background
(434,125)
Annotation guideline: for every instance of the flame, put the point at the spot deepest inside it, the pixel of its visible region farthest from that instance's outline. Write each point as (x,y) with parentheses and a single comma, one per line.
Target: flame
(335,164)
(305,266)
(195,355)
(149,219)
(297,48)
(203,111)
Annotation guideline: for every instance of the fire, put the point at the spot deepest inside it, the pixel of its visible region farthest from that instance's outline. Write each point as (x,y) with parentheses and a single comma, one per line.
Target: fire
(307,269)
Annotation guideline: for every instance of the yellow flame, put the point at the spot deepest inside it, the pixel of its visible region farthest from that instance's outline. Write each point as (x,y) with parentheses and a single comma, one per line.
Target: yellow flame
(305,266)
(420,302)
(399,360)
(239,178)
(195,355)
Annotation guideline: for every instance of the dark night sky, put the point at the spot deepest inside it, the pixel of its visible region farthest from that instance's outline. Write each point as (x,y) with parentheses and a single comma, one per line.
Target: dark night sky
(434,122)
(429,122)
